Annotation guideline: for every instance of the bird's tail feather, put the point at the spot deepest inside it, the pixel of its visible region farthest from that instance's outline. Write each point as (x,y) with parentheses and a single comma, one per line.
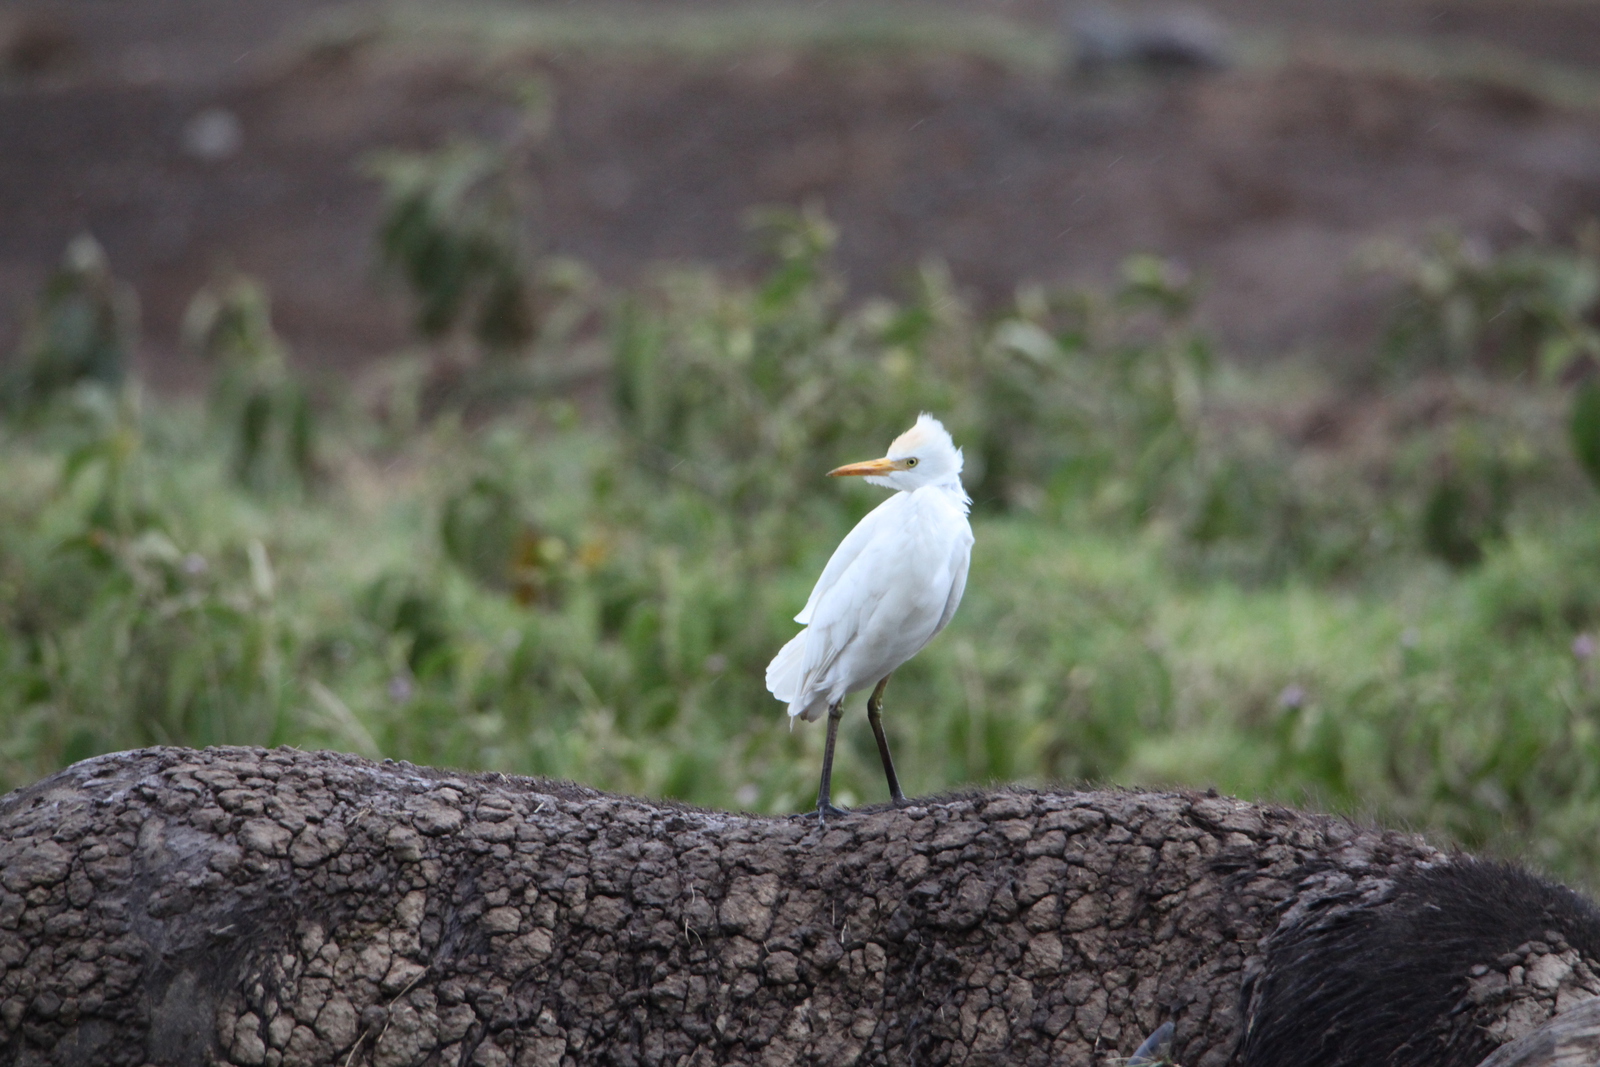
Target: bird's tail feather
(787,669)
(786,680)
(810,709)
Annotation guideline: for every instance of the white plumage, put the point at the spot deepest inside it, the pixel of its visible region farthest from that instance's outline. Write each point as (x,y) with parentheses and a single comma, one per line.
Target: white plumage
(890,586)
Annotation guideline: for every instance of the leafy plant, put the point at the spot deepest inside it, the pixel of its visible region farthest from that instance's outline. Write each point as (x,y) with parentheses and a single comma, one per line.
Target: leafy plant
(116,633)
(84,330)
(1096,401)
(1528,310)
(450,231)
(456,229)
(255,397)
(485,529)
(1584,427)
(1070,398)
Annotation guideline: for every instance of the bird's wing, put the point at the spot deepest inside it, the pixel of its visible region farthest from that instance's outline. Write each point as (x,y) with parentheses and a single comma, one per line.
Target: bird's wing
(839,614)
(847,552)
(961,561)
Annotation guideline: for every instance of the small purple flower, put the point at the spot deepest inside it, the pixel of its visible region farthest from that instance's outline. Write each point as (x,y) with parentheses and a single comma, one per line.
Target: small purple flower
(1583,646)
(194,564)
(400,689)
(1293,696)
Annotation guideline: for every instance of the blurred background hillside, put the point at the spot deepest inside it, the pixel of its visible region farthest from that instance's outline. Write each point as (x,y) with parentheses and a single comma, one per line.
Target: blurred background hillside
(191,137)
(454,381)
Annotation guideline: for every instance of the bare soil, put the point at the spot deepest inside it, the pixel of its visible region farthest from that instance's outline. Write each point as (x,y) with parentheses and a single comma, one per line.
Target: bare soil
(1266,180)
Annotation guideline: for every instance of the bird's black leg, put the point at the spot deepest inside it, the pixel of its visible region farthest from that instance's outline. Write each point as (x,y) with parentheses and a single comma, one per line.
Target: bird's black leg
(875,717)
(825,792)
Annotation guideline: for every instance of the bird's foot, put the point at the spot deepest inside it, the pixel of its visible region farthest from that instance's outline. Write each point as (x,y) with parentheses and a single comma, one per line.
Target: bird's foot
(824,810)
(899,800)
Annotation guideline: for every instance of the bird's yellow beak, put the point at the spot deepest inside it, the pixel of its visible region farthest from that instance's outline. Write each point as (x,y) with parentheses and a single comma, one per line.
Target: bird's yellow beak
(871,466)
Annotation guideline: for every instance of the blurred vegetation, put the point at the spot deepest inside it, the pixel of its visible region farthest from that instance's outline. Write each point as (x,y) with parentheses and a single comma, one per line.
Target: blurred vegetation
(1530,310)
(456,230)
(255,398)
(1382,601)
(462,231)
(84,329)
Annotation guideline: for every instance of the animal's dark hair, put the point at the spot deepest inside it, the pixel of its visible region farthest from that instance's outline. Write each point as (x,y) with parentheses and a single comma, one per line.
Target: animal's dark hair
(1381,986)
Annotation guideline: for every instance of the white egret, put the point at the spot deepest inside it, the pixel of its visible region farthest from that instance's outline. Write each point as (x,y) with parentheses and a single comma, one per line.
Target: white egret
(891,585)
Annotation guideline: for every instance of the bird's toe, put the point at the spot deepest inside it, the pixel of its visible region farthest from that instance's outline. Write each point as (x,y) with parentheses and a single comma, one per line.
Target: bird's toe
(828,811)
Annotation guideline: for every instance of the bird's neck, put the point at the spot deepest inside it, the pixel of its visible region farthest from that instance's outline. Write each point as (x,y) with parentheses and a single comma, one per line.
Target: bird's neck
(952,489)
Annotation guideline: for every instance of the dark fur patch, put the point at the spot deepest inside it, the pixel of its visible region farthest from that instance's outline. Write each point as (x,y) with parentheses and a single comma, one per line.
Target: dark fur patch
(1378,986)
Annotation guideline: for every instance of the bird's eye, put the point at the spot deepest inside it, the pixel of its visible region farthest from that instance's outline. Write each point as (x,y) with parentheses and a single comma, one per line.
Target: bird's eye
(912,462)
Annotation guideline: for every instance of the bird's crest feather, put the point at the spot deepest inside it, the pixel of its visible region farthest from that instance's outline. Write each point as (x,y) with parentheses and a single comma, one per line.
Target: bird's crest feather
(925,432)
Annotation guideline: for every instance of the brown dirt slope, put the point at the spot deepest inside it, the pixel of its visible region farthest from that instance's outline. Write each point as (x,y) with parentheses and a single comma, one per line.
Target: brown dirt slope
(1267,179)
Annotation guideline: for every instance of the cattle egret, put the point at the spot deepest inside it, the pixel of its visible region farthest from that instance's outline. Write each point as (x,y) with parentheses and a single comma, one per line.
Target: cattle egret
(892,584)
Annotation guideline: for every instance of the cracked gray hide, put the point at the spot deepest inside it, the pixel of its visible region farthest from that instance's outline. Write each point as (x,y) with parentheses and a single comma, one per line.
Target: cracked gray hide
(280,907)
